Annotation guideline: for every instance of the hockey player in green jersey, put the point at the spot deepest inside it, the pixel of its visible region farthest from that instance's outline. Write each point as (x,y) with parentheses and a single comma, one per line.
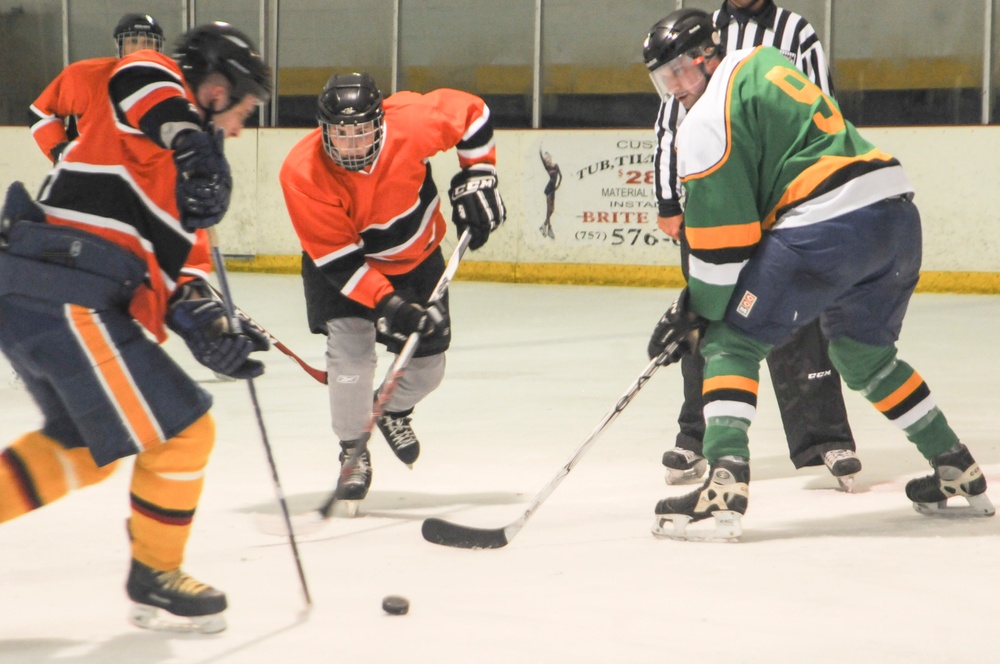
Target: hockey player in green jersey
(791,216)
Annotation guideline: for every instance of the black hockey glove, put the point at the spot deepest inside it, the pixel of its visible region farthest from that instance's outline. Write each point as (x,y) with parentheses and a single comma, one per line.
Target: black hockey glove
(400,318)
(197,316)
(204,182)
(476,203)
(680,325)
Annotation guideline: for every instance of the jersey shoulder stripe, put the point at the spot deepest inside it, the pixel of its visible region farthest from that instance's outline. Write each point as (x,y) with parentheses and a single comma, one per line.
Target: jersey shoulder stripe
(704,139)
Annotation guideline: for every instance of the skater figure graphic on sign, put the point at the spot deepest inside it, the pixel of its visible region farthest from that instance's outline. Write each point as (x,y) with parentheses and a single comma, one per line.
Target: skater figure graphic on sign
(555,179)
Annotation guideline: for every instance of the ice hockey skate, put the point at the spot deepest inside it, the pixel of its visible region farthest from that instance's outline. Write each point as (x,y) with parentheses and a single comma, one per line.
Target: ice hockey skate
(355,477)
(683,466)
(956,474)
(723,497)
(190,606)
(843,465)
(396,429)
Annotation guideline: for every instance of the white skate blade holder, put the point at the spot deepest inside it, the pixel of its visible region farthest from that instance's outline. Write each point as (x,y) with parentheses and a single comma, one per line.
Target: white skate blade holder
(726,527)
(347,508)
(979,505)
(159,620)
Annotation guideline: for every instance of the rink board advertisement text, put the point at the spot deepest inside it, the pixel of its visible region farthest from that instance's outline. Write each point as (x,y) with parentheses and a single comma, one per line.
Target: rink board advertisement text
(604,203)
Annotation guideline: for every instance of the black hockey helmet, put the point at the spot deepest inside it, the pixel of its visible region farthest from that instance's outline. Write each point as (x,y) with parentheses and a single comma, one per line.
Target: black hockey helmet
(680,32)
(220,48)
(351,100)
(137,25)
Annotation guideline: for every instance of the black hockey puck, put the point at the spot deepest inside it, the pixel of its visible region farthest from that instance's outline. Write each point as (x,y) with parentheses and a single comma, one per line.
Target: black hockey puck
(395,605)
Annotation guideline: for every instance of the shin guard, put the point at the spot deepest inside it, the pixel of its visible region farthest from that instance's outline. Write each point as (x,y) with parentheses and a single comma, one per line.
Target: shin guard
(36,471)
(896,391)
(166,485)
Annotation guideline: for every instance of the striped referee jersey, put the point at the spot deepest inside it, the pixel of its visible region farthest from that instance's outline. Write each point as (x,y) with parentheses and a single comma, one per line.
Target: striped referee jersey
(772,26)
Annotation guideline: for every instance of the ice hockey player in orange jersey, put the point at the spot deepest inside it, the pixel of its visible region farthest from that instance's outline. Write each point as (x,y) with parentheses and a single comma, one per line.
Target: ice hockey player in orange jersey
(364,205)
(83,86)
(112,247)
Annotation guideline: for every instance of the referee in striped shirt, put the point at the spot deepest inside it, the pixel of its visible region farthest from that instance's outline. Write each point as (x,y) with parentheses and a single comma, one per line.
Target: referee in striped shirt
(806,385)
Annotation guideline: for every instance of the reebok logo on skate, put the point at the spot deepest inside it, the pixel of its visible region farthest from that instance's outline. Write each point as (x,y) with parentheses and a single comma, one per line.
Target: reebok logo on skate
(347,380)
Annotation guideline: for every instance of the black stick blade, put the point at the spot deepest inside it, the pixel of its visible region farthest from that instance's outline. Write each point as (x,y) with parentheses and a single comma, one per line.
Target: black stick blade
(439,531)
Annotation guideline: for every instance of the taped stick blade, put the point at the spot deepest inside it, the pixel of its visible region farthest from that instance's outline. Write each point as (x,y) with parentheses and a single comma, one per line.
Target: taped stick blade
(445,533)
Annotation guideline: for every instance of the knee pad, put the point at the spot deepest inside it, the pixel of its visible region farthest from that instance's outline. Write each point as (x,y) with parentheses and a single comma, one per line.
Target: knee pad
(174,470)
(860,364)
(422,376)
(36,470)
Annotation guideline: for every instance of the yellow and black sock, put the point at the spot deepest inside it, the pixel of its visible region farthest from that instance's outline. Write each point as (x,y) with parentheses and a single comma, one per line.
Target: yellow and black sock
(166,485)
(36,470)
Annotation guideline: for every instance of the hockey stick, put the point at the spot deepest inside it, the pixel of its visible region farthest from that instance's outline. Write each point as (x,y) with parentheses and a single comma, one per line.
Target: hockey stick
(310,522)
(227,298)
(439,531)
(318,374)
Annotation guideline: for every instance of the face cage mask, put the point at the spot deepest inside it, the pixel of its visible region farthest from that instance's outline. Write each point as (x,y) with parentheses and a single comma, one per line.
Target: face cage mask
(353,151)
(682,74)
(152,40)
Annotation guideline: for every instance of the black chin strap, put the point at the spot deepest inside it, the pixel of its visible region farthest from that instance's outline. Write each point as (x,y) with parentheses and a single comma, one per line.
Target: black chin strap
(210,114)
(704,70)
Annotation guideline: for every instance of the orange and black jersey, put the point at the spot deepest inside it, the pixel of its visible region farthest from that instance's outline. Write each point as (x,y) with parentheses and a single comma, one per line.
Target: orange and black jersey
(118,179)
(358,227)
(79,92)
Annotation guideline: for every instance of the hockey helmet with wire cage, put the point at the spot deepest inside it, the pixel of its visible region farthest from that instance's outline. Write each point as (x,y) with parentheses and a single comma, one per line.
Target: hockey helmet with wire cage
(349,112)
(220,48)
(131,26)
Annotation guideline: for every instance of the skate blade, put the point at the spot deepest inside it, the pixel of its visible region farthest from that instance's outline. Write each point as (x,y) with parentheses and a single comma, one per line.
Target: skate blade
(846,483)
(152,618)
(978,506)
(727,527)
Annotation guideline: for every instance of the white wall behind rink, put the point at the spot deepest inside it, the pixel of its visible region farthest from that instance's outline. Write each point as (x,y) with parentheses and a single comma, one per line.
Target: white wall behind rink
(604,210)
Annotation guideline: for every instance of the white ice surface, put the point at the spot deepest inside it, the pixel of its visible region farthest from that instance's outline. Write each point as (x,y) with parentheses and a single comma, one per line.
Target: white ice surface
(820,576)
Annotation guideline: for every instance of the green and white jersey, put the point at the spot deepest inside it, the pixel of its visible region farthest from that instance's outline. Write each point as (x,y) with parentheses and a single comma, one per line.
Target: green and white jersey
(764,149)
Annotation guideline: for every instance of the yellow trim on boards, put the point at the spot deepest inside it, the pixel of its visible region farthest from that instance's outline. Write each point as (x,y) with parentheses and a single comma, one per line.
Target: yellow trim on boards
(655,276)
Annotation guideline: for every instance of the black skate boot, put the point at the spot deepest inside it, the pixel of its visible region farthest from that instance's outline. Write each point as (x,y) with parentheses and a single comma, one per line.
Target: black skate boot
(396,429)
(683,466)
(723,496)
(355,476)
(843,465)
(956,473)
(178,594)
